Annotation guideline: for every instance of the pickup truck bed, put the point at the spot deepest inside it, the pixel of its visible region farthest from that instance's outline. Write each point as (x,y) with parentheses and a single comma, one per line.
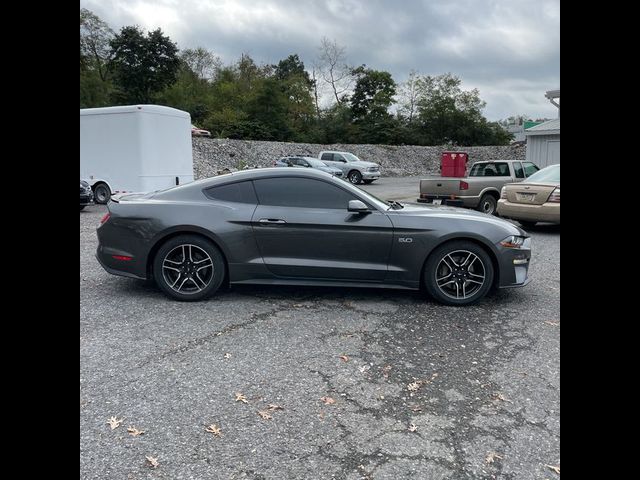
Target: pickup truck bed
(479,190)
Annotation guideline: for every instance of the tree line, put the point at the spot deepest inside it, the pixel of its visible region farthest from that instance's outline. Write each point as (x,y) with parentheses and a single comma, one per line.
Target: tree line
(329,101)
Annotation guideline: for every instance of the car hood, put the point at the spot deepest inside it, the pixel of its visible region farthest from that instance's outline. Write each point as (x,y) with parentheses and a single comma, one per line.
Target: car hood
(363,164)
(442,211)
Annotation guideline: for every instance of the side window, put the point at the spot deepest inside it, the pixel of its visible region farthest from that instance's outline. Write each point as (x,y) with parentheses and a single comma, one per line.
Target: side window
(517,168)
(301,193)
(530,168)
(239,192)
(327,156)
(338,158)
(502,170)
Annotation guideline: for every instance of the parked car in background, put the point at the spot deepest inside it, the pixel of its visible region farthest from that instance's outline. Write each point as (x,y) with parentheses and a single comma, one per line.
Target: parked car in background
(301,226)
(199,132)
(480,189)
(307,162)
(355,170)
(86,194)
(536,199)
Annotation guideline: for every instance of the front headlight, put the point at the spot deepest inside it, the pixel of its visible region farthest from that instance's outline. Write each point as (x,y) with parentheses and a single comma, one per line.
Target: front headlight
(514,241)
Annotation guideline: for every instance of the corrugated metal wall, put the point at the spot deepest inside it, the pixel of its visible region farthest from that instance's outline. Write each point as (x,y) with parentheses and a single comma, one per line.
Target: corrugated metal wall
(543,150)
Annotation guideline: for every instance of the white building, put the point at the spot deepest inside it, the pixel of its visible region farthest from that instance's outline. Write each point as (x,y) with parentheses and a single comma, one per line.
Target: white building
(543,141)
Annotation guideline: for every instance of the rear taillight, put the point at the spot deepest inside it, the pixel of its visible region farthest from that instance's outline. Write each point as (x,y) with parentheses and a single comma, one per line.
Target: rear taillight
(555,196)
(122,258)
(464,185)
(503,193)
(104,219)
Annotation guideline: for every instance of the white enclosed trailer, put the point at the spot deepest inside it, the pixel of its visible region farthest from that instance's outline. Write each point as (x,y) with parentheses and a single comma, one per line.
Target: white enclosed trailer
(134,148)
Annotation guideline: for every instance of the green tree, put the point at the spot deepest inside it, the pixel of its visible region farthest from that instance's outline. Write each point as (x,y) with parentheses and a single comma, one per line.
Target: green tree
(372,97)
(448,114)
(142,65)
(95,85)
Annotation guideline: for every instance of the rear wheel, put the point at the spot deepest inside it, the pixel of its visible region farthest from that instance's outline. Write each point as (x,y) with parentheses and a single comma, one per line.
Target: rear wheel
(101,193)
(355,177)
(488,204)
(458,273)
(189,268)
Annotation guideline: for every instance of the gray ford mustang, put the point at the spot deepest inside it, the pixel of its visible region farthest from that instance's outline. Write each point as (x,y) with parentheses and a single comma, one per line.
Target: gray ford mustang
(304,227)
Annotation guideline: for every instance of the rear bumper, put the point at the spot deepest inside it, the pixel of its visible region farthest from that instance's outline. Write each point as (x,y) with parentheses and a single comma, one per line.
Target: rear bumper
(547,212)
(115,271)
(469,202)
(86,200)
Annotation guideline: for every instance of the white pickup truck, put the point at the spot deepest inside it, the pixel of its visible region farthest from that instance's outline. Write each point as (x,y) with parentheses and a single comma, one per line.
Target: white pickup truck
(355,170)
(479,190)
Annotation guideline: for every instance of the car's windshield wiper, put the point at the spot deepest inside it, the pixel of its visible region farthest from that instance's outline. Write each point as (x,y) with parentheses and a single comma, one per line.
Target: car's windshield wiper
(395,205)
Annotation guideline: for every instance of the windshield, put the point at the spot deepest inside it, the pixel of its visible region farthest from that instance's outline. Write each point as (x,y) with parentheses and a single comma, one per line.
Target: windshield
(350,157)
(547,174)
(314,162)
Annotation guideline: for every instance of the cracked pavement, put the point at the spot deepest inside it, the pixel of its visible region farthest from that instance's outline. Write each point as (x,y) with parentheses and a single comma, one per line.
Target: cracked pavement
(485,402)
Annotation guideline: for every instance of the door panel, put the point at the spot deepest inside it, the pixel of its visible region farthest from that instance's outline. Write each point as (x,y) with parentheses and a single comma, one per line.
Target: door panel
(323,243)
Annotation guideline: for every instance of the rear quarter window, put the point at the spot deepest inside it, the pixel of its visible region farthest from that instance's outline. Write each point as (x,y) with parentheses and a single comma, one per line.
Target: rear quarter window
(239,192)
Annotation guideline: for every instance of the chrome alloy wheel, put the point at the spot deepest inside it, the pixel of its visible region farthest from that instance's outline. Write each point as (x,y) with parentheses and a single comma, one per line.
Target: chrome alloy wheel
(460,274)
(187,269)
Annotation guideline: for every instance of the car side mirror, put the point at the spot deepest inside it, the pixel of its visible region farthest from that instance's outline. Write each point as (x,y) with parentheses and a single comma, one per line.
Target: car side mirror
(357,206)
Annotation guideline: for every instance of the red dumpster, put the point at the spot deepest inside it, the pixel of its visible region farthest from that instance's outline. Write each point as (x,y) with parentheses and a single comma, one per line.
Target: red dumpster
(453,164)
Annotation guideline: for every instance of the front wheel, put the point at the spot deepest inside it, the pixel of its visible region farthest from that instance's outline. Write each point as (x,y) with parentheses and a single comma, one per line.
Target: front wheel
(189,268)
(488,204)
(355,177)
(458,273)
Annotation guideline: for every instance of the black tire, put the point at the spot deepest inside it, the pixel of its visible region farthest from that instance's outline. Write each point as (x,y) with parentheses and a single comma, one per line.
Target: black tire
(367,182)
(355,177)
(488,204)
(196,283)
(101,193)
(454,254)
(82,207)
(526,225)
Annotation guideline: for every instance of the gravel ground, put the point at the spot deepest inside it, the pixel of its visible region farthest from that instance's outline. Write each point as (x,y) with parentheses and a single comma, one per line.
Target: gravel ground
(479,386)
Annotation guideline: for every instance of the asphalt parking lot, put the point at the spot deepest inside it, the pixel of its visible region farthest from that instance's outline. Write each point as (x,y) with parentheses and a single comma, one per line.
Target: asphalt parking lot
(318,383)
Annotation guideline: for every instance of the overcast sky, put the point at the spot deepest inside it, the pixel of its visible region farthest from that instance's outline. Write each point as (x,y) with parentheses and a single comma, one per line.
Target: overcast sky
(509,50)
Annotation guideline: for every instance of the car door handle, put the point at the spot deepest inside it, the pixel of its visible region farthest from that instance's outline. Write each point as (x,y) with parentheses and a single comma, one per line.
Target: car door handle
(271,221)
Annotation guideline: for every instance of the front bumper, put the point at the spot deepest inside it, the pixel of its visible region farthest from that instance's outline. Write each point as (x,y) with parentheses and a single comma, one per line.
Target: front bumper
(459,201)
(547,212)
(86,199)
(370,175)
(514,265)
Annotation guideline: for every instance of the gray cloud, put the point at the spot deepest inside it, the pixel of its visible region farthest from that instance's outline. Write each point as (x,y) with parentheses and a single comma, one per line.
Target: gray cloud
(509,50)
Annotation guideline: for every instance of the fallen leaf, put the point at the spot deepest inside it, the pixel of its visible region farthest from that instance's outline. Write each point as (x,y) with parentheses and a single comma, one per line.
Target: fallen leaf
(321,415)
(298,305)
(499,396)
(273,407)
(555,469)
(328,400)
(241,398)
(264,414)
(153,462)
(227,355)
(552,323)
(414,386)
(385,371)
(363,368)
(134,431)
(344,358)
(416,408)
(114,422)
(491,456)
(412,427)
(213,428)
